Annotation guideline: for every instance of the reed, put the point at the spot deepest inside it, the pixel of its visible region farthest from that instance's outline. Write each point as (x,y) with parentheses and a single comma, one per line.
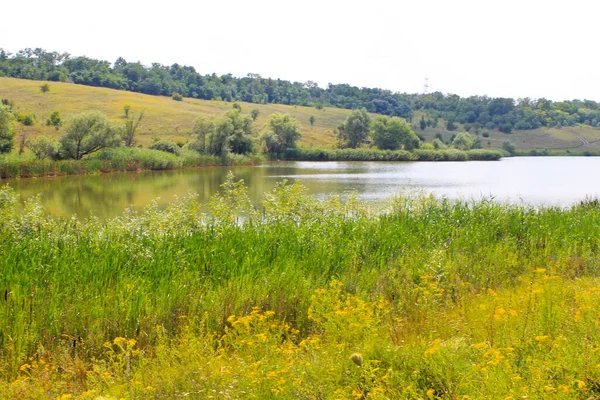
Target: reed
(436,298)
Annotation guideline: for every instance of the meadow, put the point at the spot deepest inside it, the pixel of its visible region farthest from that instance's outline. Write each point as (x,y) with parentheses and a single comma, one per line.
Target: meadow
(415,297)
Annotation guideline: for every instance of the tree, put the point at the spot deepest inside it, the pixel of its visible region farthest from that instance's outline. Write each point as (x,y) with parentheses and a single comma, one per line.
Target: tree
(282,133)
(240,131)
(7,129)
(422,123)
(203,128)
(129,128)
(87,133)
(463,141)
(354,129)
(254,114)
(393,134)
(42,146)
(312,120)
(45,88)
(508,147)
(126,109)
(54,120)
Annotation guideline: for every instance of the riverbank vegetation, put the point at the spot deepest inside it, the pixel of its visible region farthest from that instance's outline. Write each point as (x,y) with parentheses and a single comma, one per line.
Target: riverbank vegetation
(416,297)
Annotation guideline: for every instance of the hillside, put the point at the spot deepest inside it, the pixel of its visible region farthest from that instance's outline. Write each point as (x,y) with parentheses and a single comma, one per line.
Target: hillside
(163,117)
(169,119)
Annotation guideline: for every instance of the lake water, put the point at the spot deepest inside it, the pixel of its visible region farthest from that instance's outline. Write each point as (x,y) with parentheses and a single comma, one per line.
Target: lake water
(533,180)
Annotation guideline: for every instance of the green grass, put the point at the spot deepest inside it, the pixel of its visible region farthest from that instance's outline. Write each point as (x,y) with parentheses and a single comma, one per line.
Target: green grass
(441,300)
(163,118)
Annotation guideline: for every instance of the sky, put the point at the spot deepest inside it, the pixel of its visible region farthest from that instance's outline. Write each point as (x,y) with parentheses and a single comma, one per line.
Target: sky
(508,48)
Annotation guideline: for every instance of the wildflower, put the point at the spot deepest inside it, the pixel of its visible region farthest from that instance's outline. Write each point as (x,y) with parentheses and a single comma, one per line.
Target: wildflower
(430,393)
(356,359)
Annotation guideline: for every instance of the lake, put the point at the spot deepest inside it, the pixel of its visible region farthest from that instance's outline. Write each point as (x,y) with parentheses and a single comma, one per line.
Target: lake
(533,180)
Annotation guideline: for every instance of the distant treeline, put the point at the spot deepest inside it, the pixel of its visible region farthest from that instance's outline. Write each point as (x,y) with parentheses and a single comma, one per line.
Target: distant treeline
(504,114)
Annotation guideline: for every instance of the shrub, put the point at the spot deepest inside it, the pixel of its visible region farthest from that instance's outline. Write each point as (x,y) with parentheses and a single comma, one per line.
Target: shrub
(177,97)
(166,146)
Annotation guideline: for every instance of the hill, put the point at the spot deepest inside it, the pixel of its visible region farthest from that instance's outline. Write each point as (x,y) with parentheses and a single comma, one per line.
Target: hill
(169,119)
(163,117)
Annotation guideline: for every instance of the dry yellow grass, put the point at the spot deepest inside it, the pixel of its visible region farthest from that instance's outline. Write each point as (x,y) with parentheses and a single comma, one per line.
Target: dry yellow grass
(164,117)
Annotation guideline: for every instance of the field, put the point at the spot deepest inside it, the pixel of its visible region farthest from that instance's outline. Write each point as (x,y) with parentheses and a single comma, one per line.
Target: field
(415,298)
(164,117)
(169,119)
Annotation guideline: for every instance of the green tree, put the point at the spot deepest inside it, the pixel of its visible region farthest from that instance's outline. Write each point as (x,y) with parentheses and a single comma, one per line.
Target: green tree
(203,128)
(355,129)
(87,133)
(254,114)
(282,133)
(7,129)
(312,120)
(509,147)
(422,123)
(450,125)
(393,134)
(54,120)
(43,147)
(45,88)
(129,128)
(240,130)
(463,141)
(126,109)
(236,106)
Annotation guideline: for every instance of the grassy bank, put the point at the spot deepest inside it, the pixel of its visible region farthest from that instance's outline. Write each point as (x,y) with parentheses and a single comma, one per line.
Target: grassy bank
(416,298)
(114,160)
(314,154)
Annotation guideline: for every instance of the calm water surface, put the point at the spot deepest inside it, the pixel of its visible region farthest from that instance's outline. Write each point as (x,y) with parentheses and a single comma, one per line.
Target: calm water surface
(533,180)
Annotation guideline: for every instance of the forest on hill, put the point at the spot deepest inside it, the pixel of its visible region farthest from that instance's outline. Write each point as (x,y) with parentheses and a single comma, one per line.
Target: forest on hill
(504,114)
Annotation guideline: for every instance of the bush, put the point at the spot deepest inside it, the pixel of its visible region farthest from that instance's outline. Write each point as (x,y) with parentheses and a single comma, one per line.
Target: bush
(484,154)
(177,97)
(166,146)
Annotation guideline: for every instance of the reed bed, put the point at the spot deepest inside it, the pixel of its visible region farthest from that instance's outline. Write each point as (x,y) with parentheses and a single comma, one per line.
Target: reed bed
(416,297)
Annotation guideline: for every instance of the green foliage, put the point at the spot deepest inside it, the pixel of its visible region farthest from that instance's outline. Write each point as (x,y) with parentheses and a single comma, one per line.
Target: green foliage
(176,96)
(508,147)
(463,141)
(87,133)
(203,128)
(45,88)
(7,129)
(505,128)
(54,120)
(282,133)
(43,147)
(254,114)
(450,125)
(438,144)
(129,129)
(312,120)
(417,297)
(485,134)
(354,130)
(393,134)
(27,119)
(166,146)
(126,109)
(236,106)
(240,130)
(422,123)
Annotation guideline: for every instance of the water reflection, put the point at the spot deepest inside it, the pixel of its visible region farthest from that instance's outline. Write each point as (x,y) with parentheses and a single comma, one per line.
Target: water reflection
(542,180)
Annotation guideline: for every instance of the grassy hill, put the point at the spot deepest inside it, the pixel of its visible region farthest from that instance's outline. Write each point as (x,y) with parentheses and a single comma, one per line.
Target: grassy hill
(169,119)
(164,116)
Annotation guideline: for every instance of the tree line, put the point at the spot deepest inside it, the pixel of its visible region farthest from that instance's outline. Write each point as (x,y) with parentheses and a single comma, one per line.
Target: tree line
(90,131)
(505,114)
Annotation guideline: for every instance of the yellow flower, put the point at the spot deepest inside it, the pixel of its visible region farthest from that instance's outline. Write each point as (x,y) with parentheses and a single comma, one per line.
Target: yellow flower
(430,393)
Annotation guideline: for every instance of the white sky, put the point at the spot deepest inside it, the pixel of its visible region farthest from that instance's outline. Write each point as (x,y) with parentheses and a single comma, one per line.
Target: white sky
(509,48)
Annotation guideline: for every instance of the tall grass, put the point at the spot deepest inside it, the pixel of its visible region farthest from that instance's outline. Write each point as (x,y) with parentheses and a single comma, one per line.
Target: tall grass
(113,160)
(315,154)
(437,298)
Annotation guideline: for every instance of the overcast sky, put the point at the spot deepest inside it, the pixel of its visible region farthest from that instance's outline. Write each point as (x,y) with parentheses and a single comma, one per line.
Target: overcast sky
(509,48)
